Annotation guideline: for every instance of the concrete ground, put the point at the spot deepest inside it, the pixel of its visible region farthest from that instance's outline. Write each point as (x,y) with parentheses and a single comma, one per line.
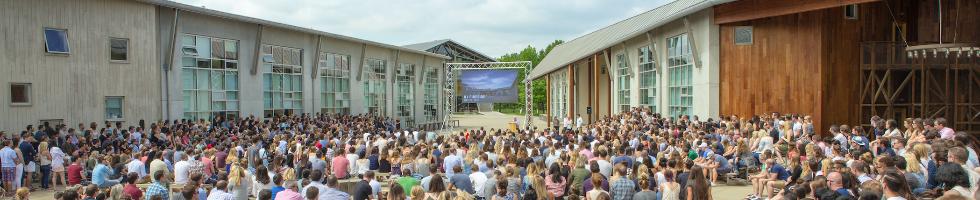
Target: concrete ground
(497,121)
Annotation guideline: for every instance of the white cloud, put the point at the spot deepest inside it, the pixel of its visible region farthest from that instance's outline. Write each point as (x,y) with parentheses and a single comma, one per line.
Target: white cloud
(494,27)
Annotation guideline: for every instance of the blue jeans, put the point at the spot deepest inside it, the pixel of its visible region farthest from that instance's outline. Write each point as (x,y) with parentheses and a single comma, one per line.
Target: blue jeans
(45,176)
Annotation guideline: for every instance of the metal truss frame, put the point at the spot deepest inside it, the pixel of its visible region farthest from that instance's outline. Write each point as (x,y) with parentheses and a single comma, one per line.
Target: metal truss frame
(450,87)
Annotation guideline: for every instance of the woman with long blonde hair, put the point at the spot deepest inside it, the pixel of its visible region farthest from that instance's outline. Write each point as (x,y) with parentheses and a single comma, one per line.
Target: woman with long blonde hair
(239,180)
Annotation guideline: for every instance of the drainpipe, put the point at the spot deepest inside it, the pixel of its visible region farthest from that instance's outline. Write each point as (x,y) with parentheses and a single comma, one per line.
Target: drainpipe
(168,65)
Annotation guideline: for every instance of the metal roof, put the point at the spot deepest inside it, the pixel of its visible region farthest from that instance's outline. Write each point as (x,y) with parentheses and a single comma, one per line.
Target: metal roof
(216,13)
(428,46)
(598,40)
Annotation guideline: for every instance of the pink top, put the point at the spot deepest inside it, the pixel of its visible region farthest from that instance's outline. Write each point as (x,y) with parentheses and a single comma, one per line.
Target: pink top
(288,195)
(207,165)
(555,188)
(339,166)
(947,133)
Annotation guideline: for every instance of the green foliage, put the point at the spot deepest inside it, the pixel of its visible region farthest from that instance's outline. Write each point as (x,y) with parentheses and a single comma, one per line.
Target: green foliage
(539,86)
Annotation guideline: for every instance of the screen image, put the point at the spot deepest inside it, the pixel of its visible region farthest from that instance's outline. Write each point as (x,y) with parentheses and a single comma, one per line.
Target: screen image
(489,85)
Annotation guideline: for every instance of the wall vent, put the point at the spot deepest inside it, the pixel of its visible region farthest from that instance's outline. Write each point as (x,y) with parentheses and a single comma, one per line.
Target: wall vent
(743,35)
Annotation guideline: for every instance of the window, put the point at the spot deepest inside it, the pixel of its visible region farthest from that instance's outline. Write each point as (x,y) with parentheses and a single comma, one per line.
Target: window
(118,49)
(559,95)
(743,35)
(648,78)
(209,73)
(623,82)
(282,80)
(679,69)
(404,78)
(56,40)
(851,11)
(334,83)
(375,87)
(113,108)
(431,96)
(20,93)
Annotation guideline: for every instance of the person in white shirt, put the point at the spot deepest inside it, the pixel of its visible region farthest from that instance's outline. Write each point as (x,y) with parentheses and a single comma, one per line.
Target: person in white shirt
(478,179)
(352,159)
(136,166)
(182,171)
(315,178)
(579,122)
(8,162)
(220,192)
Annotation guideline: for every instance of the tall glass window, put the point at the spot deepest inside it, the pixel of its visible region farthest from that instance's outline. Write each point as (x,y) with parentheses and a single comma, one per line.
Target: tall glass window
(282,80)
(375,87)
(679,70)
(431,96)
(404,77)
(648,79)
(209,69)
(559,95)
(334,83)
(623,82)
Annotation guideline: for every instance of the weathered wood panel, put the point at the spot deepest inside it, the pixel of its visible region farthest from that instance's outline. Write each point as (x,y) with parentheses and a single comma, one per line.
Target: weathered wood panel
(779,72)
(73,87)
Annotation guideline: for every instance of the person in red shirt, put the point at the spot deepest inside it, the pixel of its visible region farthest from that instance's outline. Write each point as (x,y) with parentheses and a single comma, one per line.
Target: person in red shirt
(75,175)
(130,189)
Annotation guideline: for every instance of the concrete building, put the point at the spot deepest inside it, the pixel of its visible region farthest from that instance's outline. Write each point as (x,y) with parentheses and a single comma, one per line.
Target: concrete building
(665,59)
(127,61)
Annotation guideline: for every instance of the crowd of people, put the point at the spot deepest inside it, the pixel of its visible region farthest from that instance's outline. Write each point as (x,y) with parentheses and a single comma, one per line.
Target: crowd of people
(635,154)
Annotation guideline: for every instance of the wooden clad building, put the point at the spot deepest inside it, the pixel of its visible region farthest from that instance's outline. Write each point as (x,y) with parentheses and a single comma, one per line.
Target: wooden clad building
(844,61)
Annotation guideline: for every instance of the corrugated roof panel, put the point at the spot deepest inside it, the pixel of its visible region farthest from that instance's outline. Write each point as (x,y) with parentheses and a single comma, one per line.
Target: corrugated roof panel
(598,40)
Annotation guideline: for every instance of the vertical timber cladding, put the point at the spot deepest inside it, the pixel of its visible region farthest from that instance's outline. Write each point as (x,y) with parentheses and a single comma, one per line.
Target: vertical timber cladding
(571,92)
(777,72)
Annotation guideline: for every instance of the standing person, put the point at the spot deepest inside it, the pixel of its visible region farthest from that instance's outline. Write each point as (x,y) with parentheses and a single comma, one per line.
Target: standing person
(8,163)
(58,166)
(698,188)
(44,161)
(29,155)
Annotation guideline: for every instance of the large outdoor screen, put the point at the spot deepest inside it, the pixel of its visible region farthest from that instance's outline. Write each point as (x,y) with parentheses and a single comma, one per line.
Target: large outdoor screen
(489,85)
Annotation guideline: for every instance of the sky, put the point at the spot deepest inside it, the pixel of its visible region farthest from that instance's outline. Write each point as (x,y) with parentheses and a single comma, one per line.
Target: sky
(493,27)
(488,79)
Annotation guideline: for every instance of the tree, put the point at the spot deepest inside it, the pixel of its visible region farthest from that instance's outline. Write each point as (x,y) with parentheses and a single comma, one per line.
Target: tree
(539,87)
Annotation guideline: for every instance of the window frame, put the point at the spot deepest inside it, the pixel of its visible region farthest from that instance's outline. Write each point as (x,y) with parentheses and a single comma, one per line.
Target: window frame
(127,53)
(28,95)
(122,106)
(647,58)
(329,70)
(47,50)
(189,51)
(623,82)
(680,62)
